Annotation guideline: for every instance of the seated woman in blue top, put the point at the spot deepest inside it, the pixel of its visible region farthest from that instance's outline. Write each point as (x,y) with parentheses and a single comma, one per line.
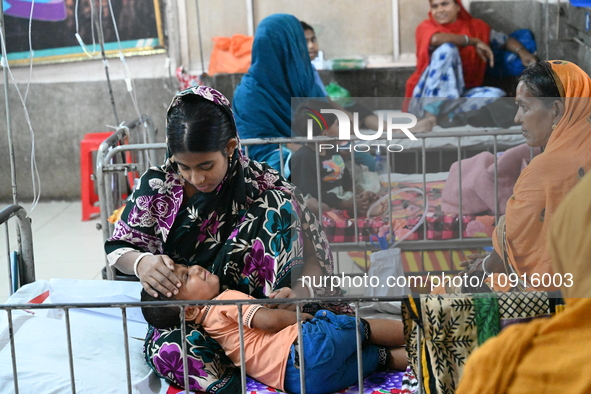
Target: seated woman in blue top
(280,70)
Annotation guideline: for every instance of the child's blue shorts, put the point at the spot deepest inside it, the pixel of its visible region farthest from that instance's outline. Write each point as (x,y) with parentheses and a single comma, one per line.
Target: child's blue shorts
(330,351)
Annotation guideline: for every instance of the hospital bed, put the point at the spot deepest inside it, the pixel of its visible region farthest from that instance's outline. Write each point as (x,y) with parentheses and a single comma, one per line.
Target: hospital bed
(86,336)
(84,321)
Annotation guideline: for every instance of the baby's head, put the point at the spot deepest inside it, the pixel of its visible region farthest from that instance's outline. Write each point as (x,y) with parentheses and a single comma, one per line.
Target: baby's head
(197,284)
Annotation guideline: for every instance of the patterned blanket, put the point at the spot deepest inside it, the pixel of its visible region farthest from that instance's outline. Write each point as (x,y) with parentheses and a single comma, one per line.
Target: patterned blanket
(407,210)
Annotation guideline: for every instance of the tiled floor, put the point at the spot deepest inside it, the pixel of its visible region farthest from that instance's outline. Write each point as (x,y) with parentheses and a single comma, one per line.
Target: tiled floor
(63,245)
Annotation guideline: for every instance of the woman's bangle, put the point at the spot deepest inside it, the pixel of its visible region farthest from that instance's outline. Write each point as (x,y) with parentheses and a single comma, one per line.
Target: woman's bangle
(308,285)
(467,40)
(483,265)
(518,49)
(137,261)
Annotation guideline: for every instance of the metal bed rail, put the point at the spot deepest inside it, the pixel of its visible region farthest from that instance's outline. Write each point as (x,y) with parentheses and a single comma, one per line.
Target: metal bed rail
(123,306)
(111,197)
(118,172)
(25,267)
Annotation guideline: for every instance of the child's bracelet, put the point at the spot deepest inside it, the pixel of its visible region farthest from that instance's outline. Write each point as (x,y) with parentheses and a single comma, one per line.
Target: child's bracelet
(307,284)
(137,261)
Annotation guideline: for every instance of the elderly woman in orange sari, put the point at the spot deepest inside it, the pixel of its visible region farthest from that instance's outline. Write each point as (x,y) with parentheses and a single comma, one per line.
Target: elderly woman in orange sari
(547,355)
(554,113)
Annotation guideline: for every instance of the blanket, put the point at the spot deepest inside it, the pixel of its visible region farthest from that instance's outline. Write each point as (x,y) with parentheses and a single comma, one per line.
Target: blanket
(478,181)
(407,210)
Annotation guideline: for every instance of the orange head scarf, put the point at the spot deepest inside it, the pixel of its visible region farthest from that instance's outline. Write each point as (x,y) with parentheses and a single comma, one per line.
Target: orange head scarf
(473,66)
(547,355)
(548,178)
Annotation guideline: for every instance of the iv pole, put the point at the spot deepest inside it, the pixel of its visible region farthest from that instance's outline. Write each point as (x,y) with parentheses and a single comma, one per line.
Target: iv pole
(7,109)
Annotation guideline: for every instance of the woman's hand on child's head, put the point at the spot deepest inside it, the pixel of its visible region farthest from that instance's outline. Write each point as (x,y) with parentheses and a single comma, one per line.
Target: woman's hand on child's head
(284,292)
(156,274)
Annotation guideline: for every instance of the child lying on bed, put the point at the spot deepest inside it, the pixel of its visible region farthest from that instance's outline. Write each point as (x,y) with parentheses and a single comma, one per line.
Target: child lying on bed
(336,181)
(270,337)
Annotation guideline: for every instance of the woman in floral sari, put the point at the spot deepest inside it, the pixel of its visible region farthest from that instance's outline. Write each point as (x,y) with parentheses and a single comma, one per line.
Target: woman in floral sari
(209,205)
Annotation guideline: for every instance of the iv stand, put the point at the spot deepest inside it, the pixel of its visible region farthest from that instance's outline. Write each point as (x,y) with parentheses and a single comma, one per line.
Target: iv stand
(7,109)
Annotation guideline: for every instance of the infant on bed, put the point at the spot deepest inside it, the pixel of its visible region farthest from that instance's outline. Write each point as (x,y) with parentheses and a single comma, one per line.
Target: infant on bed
(270,337)
(336,182)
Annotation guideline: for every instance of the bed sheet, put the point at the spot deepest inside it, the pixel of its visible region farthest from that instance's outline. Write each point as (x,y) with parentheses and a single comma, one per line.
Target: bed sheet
(97,341)
(376,383)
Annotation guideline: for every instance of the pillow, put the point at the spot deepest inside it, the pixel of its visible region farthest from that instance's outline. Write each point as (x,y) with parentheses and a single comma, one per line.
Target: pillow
(210,370)
(478,187)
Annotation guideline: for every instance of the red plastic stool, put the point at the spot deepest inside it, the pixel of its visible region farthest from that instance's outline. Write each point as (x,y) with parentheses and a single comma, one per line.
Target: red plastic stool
(88,145)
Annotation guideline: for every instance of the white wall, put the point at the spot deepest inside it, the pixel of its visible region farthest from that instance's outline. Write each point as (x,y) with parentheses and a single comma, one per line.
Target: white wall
(344,28)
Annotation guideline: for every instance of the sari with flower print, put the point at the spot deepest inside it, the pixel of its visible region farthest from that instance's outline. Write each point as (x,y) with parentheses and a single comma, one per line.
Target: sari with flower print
(249,231)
